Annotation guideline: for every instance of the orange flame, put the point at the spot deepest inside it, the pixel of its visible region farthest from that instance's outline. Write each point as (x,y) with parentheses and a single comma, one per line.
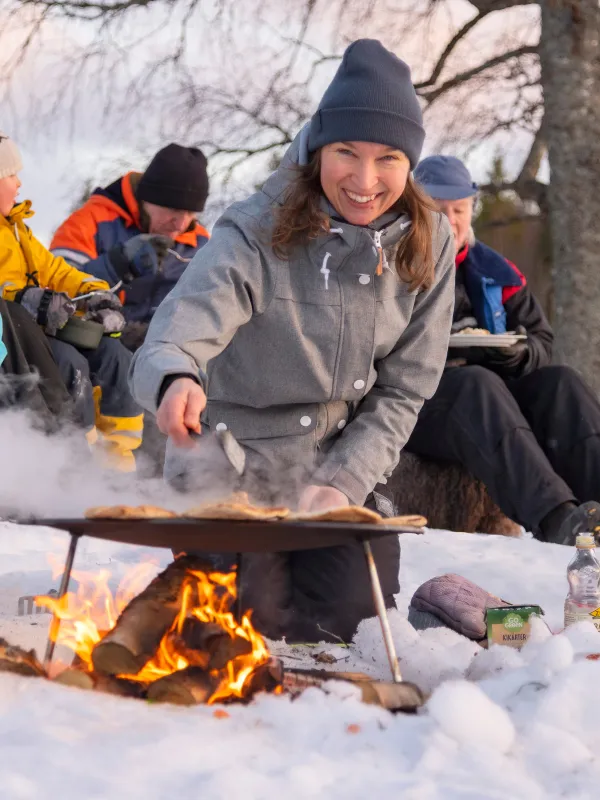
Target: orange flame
(89,613)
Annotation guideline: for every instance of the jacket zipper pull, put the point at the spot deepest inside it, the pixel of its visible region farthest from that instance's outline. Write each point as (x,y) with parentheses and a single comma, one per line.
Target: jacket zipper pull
(382,259)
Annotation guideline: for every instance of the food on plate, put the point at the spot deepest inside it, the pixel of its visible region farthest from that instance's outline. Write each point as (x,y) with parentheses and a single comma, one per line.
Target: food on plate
(473,332)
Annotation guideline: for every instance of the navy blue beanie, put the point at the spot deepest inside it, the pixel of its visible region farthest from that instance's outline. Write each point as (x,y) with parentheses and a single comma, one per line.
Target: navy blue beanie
(370,99)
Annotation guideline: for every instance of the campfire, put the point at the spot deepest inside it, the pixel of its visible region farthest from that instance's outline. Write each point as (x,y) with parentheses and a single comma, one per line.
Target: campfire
(177,639)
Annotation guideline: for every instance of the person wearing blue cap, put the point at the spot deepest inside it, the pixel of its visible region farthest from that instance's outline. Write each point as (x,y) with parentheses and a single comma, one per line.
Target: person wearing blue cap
(528,429)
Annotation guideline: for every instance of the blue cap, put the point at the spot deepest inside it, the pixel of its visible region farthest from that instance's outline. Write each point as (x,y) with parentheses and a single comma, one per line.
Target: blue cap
(445,178)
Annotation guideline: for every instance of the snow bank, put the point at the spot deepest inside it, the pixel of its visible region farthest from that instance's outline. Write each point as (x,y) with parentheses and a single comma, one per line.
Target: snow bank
(500,724)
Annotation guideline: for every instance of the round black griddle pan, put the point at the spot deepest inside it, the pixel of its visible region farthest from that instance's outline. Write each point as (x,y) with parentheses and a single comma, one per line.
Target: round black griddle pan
(225,536)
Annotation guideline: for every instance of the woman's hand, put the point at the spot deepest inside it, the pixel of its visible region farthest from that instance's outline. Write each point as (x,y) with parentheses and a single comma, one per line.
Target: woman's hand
(179,411)
(320,498)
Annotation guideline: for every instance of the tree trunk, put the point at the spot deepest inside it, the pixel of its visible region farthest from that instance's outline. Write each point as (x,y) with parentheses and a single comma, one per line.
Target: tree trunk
(570,62)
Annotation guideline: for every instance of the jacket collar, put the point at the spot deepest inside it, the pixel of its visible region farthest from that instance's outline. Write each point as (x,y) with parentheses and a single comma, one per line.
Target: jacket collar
(120,198)
(19,212)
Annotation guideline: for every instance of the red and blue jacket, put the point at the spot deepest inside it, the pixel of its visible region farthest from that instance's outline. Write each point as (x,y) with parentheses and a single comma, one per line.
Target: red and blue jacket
(491,289)
(111,216)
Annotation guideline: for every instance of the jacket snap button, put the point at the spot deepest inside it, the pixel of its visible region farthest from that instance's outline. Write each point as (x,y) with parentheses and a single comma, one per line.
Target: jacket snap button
(359,384)
(305,421)
(364,279)
(220,426)
(342,424)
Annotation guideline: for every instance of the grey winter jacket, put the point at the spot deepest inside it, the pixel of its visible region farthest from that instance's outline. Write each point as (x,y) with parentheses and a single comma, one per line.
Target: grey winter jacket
(313,360)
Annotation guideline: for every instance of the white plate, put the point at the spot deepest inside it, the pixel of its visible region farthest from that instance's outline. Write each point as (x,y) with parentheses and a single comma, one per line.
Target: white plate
(481,340)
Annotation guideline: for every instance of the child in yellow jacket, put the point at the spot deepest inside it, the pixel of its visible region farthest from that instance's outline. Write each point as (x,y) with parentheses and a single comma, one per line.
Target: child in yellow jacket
(48,287)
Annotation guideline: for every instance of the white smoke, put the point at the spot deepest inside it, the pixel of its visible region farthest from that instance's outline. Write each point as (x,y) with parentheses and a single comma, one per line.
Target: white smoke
(52,476)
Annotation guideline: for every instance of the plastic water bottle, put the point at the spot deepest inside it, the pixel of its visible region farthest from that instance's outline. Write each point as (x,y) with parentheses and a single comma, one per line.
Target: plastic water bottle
(583,574)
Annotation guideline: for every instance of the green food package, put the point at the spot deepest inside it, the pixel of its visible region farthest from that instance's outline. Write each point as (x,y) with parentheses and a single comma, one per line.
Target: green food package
(509,625)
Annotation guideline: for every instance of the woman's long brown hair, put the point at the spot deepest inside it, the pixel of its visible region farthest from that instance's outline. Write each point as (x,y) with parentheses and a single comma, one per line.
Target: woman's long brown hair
(300,218)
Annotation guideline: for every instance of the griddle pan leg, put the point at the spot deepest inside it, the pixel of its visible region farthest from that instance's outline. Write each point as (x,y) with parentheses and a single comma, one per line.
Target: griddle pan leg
(382,613)
(64,585)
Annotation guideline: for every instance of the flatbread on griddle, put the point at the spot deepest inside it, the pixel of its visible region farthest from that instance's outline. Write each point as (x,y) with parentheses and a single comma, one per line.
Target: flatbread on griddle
(412,520)
(129,512)
(236,510)
(356,514)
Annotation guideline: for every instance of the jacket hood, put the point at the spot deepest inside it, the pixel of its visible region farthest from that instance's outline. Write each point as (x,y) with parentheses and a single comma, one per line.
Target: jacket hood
(391,224)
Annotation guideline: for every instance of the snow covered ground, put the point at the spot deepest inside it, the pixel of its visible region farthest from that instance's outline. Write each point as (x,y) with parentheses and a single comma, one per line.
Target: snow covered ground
(500,724)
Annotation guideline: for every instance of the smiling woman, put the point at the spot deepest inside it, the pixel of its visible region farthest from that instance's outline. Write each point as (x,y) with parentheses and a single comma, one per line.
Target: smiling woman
(311,326)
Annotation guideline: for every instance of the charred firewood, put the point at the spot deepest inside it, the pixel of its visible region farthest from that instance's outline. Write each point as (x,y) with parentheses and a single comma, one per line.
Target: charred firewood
(144,621)
(208,645)
(188,687)
(403,696)
(109,684)
(264,678)
(75,677)
(21,662)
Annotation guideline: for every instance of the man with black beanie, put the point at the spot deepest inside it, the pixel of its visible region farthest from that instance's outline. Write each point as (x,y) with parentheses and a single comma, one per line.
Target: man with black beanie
(141,232)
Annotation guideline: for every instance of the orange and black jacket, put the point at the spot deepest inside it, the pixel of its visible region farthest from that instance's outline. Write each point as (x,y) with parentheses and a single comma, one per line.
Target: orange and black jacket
(110,217)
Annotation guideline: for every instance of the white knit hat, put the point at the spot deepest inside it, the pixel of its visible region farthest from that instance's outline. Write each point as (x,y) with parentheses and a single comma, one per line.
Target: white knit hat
(10,158)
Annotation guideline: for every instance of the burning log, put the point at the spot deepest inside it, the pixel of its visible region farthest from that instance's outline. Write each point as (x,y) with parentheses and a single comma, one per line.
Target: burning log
(144,621)
(21,662)
(109,684)
(266,677)
(188,687)
(208,645)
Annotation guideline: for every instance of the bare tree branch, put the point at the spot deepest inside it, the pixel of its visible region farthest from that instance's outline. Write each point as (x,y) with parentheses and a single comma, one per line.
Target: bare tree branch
(448,50)
(499,5)
(467,75)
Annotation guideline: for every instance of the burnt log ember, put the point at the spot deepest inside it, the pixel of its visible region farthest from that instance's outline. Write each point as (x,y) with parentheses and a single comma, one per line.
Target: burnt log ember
(265,677)
(208,645)
(144,621)
(20,662)
(188,687)
(109,684)
(403,696)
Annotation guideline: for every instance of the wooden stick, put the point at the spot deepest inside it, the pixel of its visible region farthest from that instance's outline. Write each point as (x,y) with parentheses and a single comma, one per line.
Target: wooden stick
(403,696)
(144,621)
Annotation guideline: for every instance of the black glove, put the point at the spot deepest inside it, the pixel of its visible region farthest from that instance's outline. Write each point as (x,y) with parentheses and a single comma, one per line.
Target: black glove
(105,308)
(505,361)
(141,255)
(49,309)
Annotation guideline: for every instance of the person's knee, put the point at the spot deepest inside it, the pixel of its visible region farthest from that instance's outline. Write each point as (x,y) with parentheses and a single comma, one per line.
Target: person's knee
(558,377)
(112,354)
(478,382)
(109,366)
(70,361)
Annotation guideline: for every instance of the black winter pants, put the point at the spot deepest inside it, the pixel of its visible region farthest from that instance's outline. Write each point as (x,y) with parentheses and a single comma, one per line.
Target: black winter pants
(314,595)
(534,442)
(105,367)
